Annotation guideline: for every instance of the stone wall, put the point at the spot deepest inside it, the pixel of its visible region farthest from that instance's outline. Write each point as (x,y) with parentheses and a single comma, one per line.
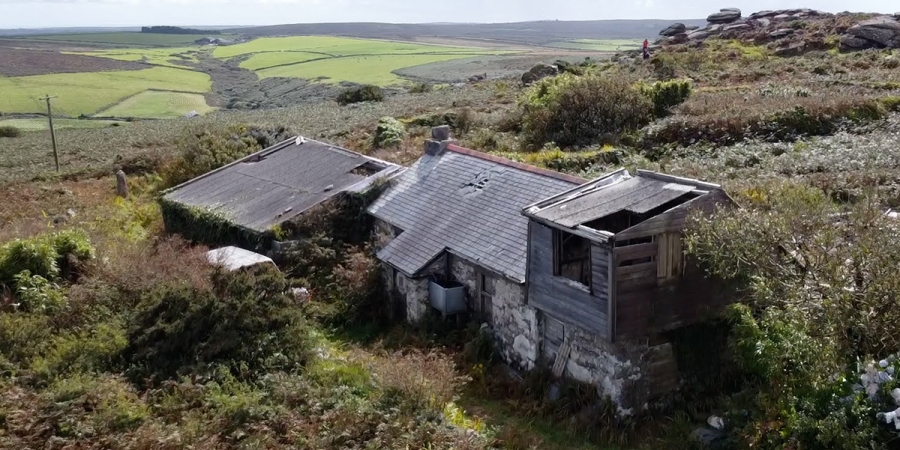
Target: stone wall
(617,369)
(514,324)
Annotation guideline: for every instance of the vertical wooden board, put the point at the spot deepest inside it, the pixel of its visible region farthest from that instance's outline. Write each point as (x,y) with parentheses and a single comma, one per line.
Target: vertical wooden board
(662,257)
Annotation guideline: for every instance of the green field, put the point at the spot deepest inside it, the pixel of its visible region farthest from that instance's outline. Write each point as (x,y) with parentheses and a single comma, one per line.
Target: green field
(42,124)
(599,45)
(336,59)
(170,57)
(87,93)
(333,46)
(158,105)
(377,69)
(124,38)
(272,59)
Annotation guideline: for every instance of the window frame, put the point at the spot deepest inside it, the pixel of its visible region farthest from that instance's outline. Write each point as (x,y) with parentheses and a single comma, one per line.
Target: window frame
(485,298)
(559,238)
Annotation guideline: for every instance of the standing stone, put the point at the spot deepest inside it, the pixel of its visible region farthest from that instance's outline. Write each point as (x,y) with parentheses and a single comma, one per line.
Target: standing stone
(121,184)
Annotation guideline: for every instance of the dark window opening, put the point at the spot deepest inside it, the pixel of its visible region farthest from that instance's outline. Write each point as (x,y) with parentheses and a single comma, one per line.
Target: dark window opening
(368,169)
(572,257)
(622,220)
(485,301)
(635,241)
(636,261)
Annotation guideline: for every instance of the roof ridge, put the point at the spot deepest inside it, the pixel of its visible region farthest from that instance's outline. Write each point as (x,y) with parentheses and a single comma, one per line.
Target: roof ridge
(516,165)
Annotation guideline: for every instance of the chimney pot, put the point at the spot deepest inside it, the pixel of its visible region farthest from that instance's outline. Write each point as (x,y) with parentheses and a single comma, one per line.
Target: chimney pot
(441,133)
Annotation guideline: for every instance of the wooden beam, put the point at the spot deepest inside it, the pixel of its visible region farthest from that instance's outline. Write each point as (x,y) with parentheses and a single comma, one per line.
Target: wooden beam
(636,251)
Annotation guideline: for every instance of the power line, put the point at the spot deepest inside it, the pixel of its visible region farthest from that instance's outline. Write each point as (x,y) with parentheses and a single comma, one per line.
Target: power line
(47,98)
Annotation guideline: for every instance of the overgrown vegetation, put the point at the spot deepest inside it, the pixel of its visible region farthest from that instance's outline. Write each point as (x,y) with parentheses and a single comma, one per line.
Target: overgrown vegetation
(9,131)
(573,111)
(205,149)
(359,94)
(818,304)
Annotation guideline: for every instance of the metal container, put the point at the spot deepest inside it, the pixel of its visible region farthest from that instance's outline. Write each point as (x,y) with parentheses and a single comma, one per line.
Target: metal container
(448,297)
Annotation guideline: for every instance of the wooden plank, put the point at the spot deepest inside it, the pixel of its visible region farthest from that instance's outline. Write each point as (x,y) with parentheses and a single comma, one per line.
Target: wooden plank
(561,358)
(643,267)
(636,251)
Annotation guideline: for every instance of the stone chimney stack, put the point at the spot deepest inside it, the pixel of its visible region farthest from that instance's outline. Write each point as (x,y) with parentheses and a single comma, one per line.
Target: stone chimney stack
(440,138)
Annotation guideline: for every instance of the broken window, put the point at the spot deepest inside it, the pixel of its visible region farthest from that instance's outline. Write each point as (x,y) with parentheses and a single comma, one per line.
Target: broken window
(485,302)
(643,242)
(572,257)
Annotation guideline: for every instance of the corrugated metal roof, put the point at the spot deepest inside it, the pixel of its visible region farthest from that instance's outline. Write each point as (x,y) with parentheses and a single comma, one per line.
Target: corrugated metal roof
(467,203)
(638,195)
(275,184)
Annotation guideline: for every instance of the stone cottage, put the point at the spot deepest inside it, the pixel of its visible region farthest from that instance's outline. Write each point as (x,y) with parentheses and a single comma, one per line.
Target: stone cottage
(455,216)
(586,278)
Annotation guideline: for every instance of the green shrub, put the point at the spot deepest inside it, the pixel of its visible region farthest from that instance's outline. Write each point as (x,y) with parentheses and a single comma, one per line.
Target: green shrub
(421,88)
(579,111)
(49,256)
(666,95)
(389,133)
(9,131)
(245,323)
(358,94)
(89,351)
(891,103)
(664,66)
(37,256)
(35,294)
(24,336)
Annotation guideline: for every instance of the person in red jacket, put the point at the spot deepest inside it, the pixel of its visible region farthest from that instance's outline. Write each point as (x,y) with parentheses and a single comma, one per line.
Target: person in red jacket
(646,49)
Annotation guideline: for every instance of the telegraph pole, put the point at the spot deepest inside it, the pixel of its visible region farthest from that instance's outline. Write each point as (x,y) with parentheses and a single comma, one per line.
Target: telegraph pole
(52,132)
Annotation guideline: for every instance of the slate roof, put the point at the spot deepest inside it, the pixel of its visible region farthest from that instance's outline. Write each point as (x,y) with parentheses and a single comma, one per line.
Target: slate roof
(467,203)
(278,183)
(618,191)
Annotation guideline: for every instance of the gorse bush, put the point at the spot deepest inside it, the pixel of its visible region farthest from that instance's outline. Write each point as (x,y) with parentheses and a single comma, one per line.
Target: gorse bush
(818,298)
(389,132)
(245,322)
(50,257)
(9,131)
(578,111)
(666,95)
(358,94)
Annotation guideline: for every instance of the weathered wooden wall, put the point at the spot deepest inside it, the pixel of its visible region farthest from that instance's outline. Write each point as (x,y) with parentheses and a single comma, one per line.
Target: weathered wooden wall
(563,298)
(648,301)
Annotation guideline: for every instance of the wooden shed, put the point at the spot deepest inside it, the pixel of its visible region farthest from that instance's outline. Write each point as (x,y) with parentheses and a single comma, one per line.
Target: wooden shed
(606,261)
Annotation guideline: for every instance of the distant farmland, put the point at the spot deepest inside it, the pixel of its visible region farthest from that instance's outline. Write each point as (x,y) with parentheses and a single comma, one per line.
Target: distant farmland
(88,92)
(599,45)
(336,59)
(124,38)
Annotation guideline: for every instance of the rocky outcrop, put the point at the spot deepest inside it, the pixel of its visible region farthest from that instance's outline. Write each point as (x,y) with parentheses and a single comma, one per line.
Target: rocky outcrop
(781,33)
(883,31)
(852,43)
(792,49)
(786,36)
(674,29)
(725,15)
(538,72)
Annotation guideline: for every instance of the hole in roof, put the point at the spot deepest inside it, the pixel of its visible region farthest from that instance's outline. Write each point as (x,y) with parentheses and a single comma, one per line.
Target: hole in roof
(479,182)
(368,169)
